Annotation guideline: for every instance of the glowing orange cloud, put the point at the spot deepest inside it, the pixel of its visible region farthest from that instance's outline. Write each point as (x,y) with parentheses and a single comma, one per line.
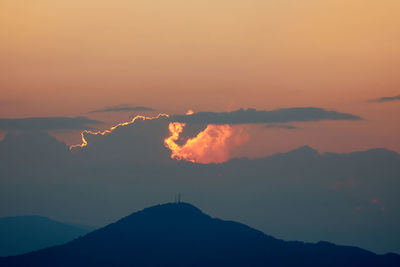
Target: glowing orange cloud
(213,145)
(85,143)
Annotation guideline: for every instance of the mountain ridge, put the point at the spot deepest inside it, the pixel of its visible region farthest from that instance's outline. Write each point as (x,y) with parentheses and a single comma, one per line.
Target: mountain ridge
(22,234)
(179,234)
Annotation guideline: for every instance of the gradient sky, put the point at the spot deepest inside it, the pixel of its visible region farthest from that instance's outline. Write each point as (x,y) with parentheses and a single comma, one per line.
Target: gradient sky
(68,57)
(338,58)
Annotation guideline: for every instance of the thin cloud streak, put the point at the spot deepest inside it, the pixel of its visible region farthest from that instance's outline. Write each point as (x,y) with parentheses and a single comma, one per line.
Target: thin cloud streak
(253,116)
(385,99)
(46,123)
(122,108)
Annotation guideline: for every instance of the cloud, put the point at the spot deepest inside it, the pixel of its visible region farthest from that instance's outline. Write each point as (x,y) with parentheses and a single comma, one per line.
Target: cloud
(212,145)
(140,141)
(130,169)
(121,108)
(46,123)
(206,133)
(385,99)
(249,116)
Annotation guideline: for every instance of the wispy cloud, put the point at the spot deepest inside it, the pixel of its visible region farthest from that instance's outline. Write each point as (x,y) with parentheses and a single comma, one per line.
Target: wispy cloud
(253,116)
(121,108)
(385,99)
(46,123)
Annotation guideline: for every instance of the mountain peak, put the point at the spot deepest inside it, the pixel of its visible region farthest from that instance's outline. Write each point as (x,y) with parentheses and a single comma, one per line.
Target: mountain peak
(172,208)
(169,213)
(179,234)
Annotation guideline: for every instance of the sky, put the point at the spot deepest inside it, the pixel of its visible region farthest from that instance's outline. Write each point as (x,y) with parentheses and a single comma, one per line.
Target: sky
(66,58)
(260,77)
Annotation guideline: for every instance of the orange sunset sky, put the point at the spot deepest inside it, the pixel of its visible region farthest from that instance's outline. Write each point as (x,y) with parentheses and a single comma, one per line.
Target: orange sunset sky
(68,57)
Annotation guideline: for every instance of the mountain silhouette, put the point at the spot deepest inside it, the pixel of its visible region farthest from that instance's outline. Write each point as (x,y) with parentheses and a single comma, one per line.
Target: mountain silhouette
(22,234)
(179,234)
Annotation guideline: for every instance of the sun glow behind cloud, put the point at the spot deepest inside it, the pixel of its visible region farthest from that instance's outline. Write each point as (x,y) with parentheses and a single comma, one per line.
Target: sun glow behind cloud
(212,145)
(221,133)
(85,143)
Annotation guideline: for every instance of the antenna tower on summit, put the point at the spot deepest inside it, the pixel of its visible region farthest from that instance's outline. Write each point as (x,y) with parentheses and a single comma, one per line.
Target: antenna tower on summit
(177,198)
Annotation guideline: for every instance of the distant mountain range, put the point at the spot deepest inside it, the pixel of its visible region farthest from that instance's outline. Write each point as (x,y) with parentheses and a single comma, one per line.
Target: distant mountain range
(22,234)
(179,234)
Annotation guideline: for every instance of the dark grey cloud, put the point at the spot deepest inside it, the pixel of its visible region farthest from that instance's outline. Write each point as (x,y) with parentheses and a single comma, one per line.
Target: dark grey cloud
(326,195)
(46,123)
(121,108)
(385,99)
(131,168)
(248,116)
(280,126)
